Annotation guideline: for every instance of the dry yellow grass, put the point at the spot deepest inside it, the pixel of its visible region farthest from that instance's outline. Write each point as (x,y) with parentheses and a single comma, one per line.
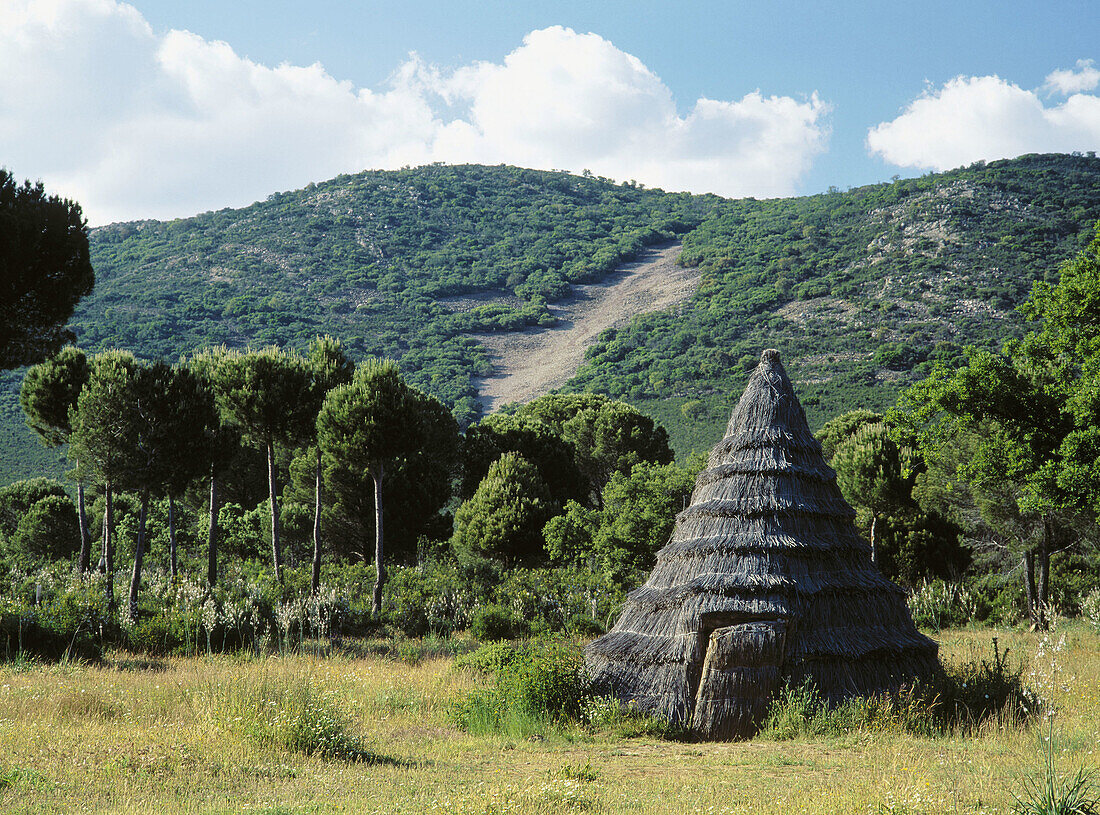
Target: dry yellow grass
(155,737)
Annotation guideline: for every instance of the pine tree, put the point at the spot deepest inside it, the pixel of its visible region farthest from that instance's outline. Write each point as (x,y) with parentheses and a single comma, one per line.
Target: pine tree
(505,516)
(47,396)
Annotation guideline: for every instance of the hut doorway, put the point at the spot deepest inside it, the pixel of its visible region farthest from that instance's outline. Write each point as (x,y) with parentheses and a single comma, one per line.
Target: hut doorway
(740,675)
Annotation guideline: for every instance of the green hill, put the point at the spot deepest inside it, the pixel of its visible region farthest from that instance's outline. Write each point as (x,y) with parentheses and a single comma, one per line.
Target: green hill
(859,289)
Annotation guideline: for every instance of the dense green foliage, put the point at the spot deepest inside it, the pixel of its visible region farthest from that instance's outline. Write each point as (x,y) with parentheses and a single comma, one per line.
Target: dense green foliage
(619,541)
(504,517)
(44,270)
(38,522)
(861,291)
(911,542)
(606,436)
(368,258)
(1015,432)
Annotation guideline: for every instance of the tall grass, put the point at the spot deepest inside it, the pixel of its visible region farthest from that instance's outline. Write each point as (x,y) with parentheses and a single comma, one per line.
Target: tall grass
(137,735)
(967,694)
(287,710)
(1048,793)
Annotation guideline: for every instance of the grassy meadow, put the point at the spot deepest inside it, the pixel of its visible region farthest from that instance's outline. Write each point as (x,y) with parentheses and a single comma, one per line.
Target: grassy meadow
(214,735)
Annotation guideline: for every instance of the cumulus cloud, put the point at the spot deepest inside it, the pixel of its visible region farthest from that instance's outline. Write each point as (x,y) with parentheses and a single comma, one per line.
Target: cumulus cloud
(986,117)
(1068,80)
(575,101)
(133,123)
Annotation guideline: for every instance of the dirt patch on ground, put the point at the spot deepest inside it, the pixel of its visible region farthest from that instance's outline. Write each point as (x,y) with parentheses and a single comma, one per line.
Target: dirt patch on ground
(527,364)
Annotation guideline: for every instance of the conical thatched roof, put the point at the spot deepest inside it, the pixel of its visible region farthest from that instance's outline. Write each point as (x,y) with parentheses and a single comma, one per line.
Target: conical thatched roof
(768,537)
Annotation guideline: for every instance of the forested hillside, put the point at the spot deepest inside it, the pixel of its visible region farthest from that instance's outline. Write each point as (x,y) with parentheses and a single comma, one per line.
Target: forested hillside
(371,258)
(860,290)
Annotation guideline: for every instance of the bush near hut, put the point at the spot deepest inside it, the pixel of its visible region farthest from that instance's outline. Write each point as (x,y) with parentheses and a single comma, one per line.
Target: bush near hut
(962,697)
(539,686)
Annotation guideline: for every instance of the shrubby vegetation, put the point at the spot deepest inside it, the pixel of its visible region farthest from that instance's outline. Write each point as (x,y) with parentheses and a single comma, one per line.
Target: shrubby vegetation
(535,521)
(863,291)
(368,258)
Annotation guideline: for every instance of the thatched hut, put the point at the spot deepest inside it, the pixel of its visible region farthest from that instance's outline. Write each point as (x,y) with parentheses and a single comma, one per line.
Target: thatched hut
(765,581)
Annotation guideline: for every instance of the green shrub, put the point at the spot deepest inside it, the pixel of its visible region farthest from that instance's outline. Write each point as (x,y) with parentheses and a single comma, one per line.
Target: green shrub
(537,687)
(581,625)
(938,605)
(496,622)
(71,621)
(157,635)
(551,681)
(491,658)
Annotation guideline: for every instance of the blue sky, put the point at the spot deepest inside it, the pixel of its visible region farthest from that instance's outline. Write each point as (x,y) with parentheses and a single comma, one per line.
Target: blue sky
(162,109)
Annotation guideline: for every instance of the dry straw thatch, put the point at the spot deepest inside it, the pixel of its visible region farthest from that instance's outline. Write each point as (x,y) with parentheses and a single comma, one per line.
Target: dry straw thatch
(765,581)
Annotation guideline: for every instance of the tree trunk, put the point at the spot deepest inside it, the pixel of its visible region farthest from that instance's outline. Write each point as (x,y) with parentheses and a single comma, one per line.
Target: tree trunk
(109,546)
(1043,579)
(874,520)
(85,537)
(173,561)
(1029,585)
(315,582)
(1043,588)
(376,605)
(276,550)
(212,537)
(139,557)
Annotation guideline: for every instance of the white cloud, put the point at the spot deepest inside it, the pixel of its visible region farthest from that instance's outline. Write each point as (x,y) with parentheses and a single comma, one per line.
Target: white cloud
(575,101)
(1067,80)
(135,124)
(986,117)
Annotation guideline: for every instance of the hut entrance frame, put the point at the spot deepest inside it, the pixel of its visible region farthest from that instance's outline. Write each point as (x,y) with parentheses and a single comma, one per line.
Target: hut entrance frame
(734,671)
